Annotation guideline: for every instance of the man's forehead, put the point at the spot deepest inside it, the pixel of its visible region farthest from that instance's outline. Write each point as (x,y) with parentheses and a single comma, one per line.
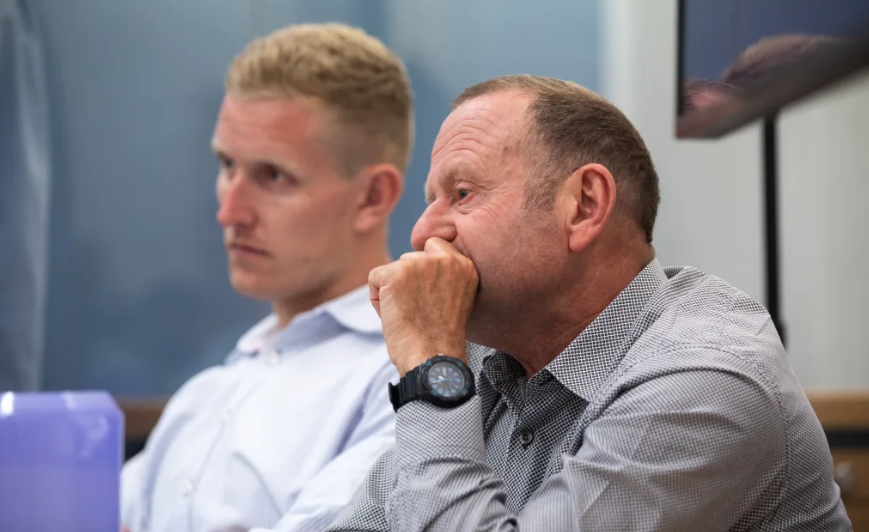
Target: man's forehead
(242,148)
(485,123)
(266,127)
(503,108)
(268,116)
(481,132)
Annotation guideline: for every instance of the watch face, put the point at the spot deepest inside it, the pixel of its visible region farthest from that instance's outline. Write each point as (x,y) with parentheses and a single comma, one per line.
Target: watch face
(446,380)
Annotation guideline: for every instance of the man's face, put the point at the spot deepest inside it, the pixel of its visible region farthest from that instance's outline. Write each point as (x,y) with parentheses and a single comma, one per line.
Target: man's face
(285,211)
(475,192)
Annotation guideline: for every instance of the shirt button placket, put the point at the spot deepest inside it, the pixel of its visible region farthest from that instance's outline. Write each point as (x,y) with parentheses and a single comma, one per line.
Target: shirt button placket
(272,358)
(526,437)
(187,488)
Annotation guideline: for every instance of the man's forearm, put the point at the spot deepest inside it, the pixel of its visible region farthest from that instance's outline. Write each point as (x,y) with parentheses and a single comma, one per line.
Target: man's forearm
(444,482)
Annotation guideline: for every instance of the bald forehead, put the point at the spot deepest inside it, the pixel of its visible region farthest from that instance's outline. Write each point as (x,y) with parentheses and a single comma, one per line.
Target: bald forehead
(479,134)
(505,110)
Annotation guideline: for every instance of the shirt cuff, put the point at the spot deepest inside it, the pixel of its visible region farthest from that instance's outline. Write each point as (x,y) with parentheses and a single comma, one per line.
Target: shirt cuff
(424,431)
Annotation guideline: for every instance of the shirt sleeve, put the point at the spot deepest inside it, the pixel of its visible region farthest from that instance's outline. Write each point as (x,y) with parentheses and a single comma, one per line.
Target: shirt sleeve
(681,451)
(325,495)
(132,492)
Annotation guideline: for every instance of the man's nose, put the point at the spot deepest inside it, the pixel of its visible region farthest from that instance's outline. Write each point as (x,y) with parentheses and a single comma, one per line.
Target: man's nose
(235,203)
(435,221)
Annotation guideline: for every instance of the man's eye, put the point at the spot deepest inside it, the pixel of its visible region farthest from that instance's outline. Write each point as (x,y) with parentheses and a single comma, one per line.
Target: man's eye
(463,193)
(276,175)
(225,162)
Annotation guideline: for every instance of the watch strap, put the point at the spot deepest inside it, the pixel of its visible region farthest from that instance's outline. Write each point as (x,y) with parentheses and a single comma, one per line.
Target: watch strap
(405,391)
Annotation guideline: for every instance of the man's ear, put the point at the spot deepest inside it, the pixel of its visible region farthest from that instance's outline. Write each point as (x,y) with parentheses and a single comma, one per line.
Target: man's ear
(586,200)
(379,189)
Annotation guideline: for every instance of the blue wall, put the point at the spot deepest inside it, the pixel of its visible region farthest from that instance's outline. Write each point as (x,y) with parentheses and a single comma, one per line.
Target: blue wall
(138,295)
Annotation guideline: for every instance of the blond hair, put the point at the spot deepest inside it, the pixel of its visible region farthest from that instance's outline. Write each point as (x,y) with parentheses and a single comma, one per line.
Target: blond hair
(570,126)
(355,76)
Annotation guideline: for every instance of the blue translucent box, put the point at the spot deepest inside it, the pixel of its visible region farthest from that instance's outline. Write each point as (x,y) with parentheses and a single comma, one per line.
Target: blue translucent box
(60,462)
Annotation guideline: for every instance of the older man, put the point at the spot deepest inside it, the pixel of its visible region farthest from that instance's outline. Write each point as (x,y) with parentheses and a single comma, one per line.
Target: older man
(612,394)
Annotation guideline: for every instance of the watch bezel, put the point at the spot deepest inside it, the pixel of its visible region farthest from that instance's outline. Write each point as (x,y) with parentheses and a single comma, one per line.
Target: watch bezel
(431,395)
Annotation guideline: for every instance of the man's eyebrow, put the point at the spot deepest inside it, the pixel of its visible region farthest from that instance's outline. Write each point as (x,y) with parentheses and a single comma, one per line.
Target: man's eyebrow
(219,151)
(283,166)
(445,180)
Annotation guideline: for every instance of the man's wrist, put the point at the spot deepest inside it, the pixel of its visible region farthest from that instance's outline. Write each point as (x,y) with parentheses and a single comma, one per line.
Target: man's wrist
(417,357)
(412,361)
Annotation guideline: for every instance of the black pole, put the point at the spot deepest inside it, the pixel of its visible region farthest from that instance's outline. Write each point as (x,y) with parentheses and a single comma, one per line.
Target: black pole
(770,189)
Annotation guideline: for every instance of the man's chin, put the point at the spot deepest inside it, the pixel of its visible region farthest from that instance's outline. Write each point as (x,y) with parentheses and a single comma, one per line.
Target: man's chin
(251,288)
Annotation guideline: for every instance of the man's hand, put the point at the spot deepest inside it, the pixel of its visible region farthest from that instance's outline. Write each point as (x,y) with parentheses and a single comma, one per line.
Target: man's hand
(424,300)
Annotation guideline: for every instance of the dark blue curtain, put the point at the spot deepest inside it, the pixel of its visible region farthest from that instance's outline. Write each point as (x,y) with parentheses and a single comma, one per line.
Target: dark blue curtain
(25,175)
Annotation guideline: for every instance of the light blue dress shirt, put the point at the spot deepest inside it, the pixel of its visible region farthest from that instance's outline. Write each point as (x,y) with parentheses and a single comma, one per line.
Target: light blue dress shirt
(279,438)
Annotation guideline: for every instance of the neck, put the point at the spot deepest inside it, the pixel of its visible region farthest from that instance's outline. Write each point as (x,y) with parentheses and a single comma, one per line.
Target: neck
(366,257)
(536,334)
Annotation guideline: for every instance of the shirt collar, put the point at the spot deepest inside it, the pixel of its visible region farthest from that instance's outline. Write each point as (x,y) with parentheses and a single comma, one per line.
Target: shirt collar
(590,359)
(477,356)
(353,311)
(259,336)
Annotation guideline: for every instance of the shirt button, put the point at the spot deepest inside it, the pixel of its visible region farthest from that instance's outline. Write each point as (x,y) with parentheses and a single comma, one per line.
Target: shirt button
(272,358)
(224,417)
(187,488)
(526,437)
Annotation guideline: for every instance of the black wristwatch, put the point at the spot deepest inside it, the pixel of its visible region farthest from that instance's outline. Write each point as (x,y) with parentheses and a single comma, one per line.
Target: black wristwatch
(441,380)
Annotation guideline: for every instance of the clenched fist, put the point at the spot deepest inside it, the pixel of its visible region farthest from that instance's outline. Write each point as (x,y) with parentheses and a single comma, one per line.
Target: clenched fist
(424,300)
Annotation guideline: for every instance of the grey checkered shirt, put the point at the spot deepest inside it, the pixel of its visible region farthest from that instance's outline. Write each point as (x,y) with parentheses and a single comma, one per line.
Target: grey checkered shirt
(676,409)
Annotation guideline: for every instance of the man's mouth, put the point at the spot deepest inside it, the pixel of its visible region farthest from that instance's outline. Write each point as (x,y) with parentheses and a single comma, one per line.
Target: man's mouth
(240,248)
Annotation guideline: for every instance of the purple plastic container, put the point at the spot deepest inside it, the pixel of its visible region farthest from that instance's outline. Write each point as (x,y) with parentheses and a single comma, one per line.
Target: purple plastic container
(60,462)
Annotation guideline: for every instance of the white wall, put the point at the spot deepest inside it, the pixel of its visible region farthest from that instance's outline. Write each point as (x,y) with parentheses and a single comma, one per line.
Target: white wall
(825,222)
(711,213)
